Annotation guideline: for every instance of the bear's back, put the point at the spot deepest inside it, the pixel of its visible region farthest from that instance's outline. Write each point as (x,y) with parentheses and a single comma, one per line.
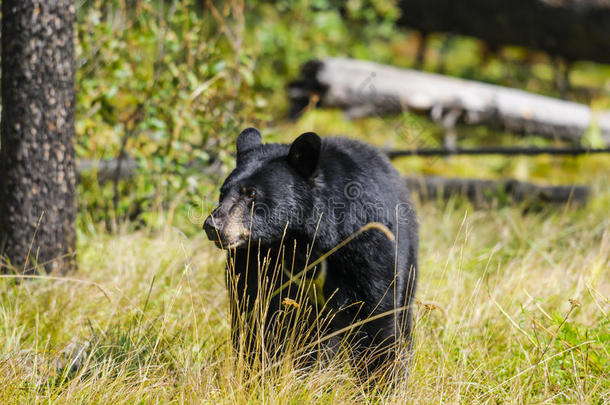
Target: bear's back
(361,169)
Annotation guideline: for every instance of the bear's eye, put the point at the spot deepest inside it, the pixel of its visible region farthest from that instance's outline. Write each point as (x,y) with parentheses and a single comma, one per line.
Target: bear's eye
(249,192)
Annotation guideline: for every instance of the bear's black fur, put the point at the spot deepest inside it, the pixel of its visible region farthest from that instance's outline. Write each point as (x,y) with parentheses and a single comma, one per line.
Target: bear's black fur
(291,204)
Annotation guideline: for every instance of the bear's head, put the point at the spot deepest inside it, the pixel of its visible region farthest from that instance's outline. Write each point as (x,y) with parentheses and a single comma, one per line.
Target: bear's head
(269,194)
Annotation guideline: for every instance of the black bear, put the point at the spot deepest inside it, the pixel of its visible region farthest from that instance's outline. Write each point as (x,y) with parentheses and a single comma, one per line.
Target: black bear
(333,214)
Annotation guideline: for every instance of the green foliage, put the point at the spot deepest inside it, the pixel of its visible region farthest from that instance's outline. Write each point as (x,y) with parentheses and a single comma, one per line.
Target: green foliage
(160,83)
(171,83)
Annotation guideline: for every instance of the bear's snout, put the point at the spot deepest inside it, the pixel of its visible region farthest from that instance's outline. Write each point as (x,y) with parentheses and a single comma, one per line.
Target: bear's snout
(226,231)
(212,229)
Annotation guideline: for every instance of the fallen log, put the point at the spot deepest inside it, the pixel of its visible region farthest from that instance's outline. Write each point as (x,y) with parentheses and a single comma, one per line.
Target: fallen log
(483,192)
(480,192)
(496,150)
(363,88)
(106,170)
(574,29)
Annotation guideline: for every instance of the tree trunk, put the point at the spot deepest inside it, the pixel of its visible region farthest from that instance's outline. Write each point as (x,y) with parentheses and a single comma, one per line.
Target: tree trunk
(37,171)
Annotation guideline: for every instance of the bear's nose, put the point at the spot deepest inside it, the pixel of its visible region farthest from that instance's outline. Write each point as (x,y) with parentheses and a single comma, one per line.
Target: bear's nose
(210,228)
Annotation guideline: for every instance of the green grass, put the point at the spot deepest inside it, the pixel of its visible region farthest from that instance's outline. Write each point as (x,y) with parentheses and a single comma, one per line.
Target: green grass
(494,320)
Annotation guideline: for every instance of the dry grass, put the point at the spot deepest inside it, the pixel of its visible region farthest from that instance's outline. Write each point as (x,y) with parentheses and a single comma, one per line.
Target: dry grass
(510,308)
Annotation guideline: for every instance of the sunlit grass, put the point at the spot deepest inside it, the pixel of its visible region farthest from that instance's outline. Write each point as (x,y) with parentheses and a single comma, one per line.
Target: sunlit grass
(511,307)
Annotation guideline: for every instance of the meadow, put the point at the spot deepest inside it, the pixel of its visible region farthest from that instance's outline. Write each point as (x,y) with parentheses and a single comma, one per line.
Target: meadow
(512,304)
(511,308)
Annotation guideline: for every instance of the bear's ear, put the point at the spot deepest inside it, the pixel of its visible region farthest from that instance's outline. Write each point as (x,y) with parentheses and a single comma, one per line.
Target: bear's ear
(248,138)
(304,154)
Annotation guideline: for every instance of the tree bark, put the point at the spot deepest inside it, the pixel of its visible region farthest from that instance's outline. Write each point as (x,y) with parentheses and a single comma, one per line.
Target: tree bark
(364,88)
(37,170)
(573,29)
